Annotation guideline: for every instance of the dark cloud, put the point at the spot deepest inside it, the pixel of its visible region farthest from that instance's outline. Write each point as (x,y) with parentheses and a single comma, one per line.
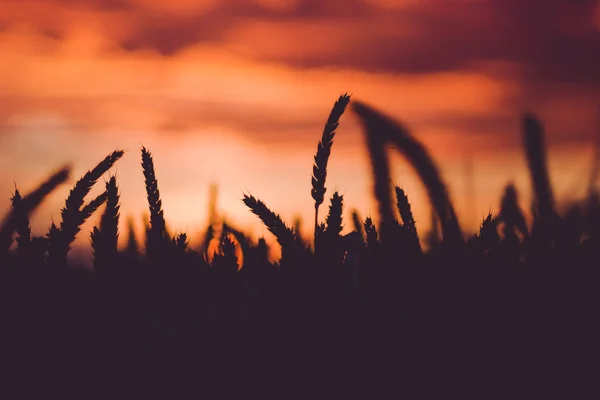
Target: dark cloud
(318,9)
(100,5)
(555,41)
(167,38)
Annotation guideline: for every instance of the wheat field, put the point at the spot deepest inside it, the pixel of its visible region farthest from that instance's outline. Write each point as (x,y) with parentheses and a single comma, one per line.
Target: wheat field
(385,305)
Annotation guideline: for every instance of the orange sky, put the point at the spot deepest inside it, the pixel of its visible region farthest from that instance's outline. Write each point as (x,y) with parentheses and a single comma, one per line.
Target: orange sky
(237,91)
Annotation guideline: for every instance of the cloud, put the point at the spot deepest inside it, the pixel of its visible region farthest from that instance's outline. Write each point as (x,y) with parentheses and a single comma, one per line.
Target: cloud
(552,41)
(96,87)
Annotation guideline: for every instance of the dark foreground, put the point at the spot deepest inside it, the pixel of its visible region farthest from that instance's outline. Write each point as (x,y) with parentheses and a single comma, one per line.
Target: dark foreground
(442,323)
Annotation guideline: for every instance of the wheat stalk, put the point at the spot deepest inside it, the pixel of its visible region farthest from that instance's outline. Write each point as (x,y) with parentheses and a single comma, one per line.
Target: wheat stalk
(92,206)
(21,224)
(180,242)
(105,238)
(381,130)
(319,174)
(29,203)
(370,233)
(72,214)
(406,214)
(488,237)
(535,148)
(334,218)
(358,225)
(272,221)
(225,259)
(73,204)
(157,228)
(510,212)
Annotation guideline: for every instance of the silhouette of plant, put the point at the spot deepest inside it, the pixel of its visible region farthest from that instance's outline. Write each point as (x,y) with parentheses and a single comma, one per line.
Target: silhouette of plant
(73,215)
(27,204)
(319,175)
(104,239)
(382,130)
(407,216)
(22,225)
(358,225)
(273,222)
(156,235)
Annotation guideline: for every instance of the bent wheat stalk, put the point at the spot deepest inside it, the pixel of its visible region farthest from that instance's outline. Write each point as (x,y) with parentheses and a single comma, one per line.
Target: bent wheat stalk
(381,130)
(273,222)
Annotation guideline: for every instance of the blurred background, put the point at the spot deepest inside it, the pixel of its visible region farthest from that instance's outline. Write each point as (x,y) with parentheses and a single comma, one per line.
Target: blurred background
(236,92)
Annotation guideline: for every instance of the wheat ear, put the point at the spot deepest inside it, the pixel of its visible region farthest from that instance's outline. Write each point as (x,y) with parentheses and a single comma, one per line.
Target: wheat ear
(319,174)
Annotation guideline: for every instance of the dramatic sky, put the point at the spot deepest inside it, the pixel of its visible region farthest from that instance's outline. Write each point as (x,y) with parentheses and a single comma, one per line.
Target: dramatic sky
(237,91)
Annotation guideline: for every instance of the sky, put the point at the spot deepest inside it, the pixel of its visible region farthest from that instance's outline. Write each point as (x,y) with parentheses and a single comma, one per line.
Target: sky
(236,92)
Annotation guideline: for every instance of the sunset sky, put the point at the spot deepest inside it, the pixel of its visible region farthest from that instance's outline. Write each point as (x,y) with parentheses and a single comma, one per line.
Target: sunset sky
(237,91)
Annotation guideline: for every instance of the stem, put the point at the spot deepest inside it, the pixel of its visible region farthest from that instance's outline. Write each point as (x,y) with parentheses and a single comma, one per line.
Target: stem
(316,224)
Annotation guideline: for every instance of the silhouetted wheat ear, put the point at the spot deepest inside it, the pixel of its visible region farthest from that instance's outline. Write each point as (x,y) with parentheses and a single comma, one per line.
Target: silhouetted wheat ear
(73,204)
(406,213)
(334,218)
(92,206)
(209,235)
(358,225)
(370,233)
(105,238)
(242,239)
(239,235)
(404,207)
(22,225)
(510,212)
(535,148)
(272,221)
(225,259)
(382,130)
(72,214)
(319,175)
(53,233)
(488,232)
(157,227)
(488,224)
(181,242)
(29,203)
